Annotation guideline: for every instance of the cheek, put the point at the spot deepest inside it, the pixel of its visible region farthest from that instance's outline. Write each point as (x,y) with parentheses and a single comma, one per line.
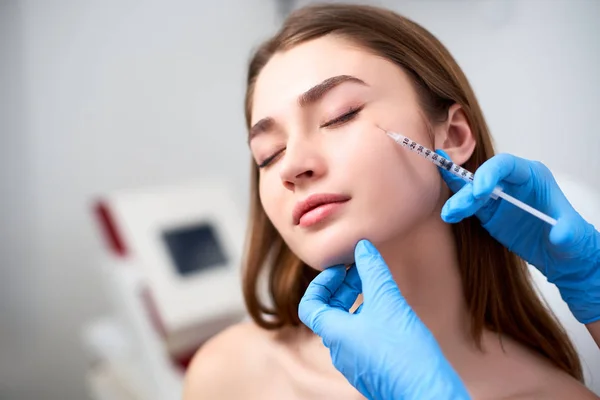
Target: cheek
(395,170)
(271,198)
(367,154)
(404,178)
(394,188)
(277,204)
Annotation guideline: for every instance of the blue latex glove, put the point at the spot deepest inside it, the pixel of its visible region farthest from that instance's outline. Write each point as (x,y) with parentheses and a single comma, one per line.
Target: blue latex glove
(383,349)
(568,254)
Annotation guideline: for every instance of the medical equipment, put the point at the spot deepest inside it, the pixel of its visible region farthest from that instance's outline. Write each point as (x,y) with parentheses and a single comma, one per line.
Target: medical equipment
(462,173)
(173,276)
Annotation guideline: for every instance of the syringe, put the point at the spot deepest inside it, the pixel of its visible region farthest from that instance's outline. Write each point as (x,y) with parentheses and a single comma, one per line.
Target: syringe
(462,173)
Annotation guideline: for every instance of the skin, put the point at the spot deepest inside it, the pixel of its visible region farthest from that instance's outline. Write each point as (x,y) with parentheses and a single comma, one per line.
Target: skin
(395,201)
(594,330)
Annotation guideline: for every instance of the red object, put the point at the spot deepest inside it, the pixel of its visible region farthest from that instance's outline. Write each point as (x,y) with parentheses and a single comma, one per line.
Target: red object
(109,228)
(153,313)
(182,361)
(117,245)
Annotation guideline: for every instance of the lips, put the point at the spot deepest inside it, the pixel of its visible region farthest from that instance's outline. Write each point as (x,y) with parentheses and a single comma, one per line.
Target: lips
(315,201)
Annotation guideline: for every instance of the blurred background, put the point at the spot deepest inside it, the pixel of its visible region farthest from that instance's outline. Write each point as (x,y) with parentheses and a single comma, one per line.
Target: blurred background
(97,97)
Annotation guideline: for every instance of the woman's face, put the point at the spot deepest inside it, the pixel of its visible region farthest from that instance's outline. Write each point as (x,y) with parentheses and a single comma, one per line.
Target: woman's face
(328,175)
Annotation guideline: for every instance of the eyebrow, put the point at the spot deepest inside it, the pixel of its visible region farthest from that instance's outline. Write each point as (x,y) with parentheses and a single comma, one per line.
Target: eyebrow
(311,96)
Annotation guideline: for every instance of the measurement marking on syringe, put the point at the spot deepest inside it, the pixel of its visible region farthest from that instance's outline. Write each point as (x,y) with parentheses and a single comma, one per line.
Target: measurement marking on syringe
(434,157)
(464,174)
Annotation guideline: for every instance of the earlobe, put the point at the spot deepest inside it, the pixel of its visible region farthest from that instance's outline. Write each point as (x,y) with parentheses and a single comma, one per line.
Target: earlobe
(455,136)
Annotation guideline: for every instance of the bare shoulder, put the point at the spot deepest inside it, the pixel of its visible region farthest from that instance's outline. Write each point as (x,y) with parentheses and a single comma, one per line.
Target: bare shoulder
(552,383)
(230,365)
(560,385)
(531,375)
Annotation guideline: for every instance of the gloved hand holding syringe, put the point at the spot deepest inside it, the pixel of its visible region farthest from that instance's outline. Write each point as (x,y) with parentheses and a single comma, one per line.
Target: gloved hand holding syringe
(462,173)
(568,254)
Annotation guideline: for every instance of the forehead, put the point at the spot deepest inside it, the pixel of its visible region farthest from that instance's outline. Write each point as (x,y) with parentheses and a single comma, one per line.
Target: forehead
(290,73)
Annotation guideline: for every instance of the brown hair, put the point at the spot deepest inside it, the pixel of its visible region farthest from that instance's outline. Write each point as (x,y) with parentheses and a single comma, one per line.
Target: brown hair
(496,283)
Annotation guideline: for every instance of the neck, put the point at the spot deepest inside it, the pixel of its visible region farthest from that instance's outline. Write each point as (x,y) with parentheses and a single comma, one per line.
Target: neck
(424,265)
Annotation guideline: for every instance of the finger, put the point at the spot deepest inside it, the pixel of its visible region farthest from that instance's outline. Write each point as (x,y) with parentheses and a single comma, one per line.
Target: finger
(345,296)
(374,273)
(322,288)
(329,323)
(562,233)
(454,182)
(502,167)
(461,205)
(569,232)
(314,310)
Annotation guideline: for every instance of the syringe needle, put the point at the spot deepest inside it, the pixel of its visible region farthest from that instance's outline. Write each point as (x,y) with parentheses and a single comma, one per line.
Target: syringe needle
(462,173)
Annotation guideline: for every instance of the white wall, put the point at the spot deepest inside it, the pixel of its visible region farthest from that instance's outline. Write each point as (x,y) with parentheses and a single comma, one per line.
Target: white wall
(96,96)
(17,322)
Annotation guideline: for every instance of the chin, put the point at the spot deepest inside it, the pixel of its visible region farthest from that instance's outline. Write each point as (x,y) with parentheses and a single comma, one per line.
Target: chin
(336,256)
(335,245)
(322,255)
(329,247)
(330,260)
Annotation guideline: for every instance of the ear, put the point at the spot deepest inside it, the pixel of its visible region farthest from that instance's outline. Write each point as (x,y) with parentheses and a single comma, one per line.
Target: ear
(455,136)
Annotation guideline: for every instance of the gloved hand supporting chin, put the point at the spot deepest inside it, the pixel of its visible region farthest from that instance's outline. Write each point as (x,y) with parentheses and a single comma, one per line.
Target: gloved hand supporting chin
(383,349)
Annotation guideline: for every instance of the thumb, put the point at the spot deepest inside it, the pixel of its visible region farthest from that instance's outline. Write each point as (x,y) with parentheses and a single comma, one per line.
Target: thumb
(572,234)
(377,280)
(314,310)
(453,182)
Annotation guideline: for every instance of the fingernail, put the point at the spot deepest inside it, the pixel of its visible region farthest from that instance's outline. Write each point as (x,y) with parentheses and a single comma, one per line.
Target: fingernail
(450,218)
(366,246)
(480,189)
(446,209)
(450,211)
(443,154)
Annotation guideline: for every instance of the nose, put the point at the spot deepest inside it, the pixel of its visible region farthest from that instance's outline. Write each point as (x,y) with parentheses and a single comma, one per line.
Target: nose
(302,163)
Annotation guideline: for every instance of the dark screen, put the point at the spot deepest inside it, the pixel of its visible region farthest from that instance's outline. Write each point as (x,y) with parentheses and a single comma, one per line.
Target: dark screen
(195,248)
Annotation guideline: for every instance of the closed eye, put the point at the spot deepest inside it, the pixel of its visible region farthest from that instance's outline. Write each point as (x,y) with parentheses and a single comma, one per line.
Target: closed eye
(348,116)
(270,159)
(343,118)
